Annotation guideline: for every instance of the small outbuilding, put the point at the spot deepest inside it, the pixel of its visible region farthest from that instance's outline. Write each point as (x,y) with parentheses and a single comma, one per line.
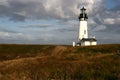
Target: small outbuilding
(88,42)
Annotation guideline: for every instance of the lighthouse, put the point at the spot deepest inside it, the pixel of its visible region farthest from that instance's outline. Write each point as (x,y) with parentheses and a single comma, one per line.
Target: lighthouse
(83,32)
(83,38)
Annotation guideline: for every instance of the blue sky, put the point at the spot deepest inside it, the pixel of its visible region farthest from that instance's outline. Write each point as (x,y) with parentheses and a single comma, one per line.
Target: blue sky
(109,4)
(56,21)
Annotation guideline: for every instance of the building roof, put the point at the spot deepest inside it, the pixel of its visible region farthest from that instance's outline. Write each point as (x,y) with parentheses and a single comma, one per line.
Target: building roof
(89,39)
(83,8)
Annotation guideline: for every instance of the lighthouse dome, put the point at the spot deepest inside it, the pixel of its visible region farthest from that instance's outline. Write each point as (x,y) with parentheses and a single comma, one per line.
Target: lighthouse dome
(83,15)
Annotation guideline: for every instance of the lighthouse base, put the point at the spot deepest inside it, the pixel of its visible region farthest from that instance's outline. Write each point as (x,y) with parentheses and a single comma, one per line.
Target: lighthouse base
(87,42)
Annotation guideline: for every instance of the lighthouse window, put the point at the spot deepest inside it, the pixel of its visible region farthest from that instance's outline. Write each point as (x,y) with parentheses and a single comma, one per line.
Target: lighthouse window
(84,31)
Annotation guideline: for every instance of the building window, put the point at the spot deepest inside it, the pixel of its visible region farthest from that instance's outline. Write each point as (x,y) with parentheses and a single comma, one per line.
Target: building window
(84,31)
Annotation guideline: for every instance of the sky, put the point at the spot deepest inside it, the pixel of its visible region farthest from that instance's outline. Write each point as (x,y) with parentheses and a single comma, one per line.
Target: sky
(56,21)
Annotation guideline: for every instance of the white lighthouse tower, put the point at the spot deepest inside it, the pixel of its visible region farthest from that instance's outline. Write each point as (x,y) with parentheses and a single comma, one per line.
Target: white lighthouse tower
(83,32)
(83,39)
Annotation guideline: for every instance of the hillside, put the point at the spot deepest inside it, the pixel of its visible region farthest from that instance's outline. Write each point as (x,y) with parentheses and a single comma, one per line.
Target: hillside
(52,62)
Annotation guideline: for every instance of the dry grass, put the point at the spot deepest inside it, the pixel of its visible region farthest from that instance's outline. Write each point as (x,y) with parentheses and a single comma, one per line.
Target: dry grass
(40,62)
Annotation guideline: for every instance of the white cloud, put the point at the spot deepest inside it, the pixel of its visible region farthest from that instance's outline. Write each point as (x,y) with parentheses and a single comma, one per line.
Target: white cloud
(117,20)
(36,26)
(4,2)
(99,28)
(91,21)
(65,11)
(56,9)
(112,21)
(4,34)
(15,36)
(109,21)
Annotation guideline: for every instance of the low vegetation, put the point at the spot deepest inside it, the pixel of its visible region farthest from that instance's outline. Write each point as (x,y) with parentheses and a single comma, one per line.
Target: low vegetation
(44,62)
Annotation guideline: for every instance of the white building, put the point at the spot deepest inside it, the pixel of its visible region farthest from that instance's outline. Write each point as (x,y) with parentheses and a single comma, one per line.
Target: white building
(88,41)
(83,39)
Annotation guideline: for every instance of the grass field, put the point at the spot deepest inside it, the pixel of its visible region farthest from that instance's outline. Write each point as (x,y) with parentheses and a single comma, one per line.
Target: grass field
(52,62)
